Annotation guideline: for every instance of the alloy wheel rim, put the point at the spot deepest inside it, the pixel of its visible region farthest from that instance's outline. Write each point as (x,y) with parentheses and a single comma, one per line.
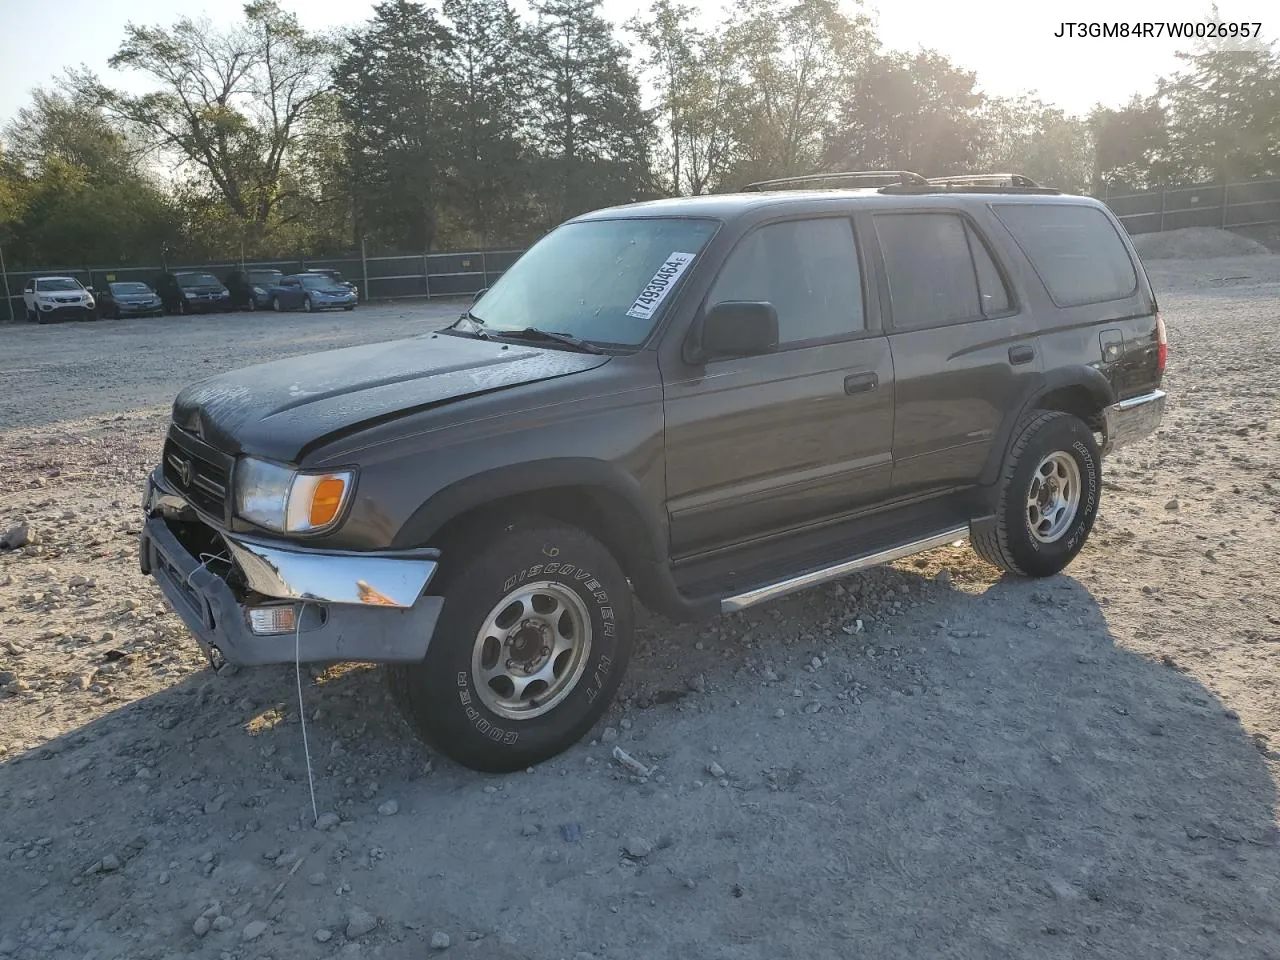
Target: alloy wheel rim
(531,651)
(1053,499)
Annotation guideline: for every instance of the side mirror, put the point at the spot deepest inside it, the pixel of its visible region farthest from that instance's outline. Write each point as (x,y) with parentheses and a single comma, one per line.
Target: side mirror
(736,328)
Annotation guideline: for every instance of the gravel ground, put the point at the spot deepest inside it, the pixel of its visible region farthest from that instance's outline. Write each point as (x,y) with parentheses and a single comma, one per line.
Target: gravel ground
(923,761)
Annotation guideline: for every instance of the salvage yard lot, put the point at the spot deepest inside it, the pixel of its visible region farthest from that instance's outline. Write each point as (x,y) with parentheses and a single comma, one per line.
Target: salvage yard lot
(924,761)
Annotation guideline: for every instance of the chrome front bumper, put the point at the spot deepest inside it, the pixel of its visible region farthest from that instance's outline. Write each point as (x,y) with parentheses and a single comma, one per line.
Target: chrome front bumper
(358,606)
(1131,420)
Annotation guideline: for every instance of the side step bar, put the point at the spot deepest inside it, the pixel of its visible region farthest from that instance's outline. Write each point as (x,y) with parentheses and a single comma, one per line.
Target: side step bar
(774,590)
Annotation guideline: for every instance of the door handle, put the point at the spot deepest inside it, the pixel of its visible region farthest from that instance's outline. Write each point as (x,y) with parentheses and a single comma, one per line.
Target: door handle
(861,382)
(1021,354)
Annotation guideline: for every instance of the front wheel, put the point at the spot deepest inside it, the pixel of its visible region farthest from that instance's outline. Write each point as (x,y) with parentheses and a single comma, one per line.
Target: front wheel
(275,304)
(306,304)
(530,648)
(253,304)
(1049,494)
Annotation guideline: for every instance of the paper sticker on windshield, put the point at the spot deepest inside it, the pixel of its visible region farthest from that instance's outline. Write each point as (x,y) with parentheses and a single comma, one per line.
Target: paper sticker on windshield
(651,296)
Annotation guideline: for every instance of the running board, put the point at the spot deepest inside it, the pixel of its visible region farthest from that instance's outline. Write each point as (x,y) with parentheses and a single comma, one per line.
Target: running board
(774,590)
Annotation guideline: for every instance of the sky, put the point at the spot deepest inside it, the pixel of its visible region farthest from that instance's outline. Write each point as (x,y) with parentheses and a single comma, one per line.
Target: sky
(1009,43)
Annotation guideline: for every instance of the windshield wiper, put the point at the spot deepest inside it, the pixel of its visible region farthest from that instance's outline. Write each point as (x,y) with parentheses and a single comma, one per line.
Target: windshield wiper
(477,325)
(533,333)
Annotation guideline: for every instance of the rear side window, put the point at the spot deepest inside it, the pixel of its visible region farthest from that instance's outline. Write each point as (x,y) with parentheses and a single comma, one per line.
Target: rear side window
(939,270)
(1074,249)
(808,269)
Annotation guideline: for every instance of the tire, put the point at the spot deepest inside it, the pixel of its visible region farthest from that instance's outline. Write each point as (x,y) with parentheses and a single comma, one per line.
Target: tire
(349,308)
(33,317)
(1054,458)
(583,596)
(253,304)
(182,307)
(275,304)
(307,305)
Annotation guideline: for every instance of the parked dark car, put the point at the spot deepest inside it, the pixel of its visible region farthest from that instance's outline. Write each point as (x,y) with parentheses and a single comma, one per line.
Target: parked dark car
(336,277)
(310,291)
(251,289)
(128,298)
(192,291)
(708,402)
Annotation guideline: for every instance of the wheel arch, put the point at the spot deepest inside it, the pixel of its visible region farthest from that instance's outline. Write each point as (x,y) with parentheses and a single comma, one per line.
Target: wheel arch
(1081,391)
(592,495)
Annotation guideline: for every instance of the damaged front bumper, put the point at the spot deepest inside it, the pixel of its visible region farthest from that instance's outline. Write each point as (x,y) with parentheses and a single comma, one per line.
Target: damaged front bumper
(228,590)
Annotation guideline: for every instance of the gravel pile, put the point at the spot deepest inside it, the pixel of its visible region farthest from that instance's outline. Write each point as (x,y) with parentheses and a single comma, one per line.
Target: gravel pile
(1196,243)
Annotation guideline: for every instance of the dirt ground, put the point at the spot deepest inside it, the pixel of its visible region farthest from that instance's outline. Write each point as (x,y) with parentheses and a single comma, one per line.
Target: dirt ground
(982,768)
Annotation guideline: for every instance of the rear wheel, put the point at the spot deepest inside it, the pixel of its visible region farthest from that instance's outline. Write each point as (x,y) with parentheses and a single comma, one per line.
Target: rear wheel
(1049,495)
(182,306)
(528,651)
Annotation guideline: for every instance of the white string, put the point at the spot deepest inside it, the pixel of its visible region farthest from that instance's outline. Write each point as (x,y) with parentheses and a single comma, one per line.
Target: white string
(302,710)
(205,560)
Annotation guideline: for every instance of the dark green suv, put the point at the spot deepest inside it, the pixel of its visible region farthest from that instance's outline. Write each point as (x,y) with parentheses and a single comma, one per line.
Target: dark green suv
(703,403)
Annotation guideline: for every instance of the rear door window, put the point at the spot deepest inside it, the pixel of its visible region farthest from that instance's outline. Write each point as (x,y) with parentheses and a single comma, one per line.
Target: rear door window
(939,270)
(1074,249)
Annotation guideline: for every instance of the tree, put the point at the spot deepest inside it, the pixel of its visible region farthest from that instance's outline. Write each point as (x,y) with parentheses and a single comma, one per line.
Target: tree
(1223,111)
(229,104)
(908,112)
(391,86)
(796,63)
(1131,146)
(694,76)
(489,90)
(1024,135)
(590,127)
(72,190)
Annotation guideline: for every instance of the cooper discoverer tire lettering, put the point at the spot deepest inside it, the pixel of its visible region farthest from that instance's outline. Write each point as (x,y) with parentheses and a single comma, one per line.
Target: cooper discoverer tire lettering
(530,648)
(1048,497)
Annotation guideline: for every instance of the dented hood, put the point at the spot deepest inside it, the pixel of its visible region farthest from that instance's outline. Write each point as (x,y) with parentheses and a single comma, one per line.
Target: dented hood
(283,408)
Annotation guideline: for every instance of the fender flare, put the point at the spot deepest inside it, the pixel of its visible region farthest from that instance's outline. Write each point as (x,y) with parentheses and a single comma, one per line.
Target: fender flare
(452,501)
(1087,377)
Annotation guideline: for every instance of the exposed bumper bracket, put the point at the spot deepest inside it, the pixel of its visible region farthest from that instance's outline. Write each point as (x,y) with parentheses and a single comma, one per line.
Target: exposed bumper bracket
(1131,420)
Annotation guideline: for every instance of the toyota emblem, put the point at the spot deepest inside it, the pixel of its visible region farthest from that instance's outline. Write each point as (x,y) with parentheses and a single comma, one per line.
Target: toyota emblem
(184,471)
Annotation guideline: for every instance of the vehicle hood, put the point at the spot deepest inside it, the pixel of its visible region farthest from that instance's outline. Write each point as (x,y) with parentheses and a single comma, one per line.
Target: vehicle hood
(285,408)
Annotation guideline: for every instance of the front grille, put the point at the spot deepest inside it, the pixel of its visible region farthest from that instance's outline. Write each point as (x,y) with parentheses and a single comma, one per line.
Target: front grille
(67,299)
(198,472)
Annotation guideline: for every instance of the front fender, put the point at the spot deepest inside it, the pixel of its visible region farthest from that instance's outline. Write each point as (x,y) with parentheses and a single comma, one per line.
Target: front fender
(537,476)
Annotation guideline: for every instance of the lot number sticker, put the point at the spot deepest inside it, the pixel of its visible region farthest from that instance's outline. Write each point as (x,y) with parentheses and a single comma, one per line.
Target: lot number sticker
(656,291)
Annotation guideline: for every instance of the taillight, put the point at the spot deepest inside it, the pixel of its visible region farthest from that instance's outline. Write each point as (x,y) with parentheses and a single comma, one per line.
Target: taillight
(1162,342)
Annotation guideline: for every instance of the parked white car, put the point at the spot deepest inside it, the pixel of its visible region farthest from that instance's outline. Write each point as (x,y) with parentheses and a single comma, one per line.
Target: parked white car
(57,298)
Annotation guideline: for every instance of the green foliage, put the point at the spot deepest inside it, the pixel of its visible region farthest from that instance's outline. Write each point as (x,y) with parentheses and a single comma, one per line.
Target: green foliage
(468,125)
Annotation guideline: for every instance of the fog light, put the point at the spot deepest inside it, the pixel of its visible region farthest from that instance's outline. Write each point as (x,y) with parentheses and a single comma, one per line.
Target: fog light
(274,619)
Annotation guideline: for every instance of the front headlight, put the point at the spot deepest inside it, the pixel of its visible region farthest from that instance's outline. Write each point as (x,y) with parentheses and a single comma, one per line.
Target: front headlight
(288,501)
(188,294)
(88,302)
(259,291)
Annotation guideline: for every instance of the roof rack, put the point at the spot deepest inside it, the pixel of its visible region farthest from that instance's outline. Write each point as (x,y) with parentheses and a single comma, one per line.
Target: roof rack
(901,177)
(987,180)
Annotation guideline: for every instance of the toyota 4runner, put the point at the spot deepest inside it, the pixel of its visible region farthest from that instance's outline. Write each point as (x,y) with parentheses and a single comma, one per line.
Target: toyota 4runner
(706,403)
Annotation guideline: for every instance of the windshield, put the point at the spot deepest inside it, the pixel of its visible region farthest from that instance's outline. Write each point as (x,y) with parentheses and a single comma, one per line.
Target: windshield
(198,280)
(599,280)
(264,276)
(317,282)
(131,287)
(58,283)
